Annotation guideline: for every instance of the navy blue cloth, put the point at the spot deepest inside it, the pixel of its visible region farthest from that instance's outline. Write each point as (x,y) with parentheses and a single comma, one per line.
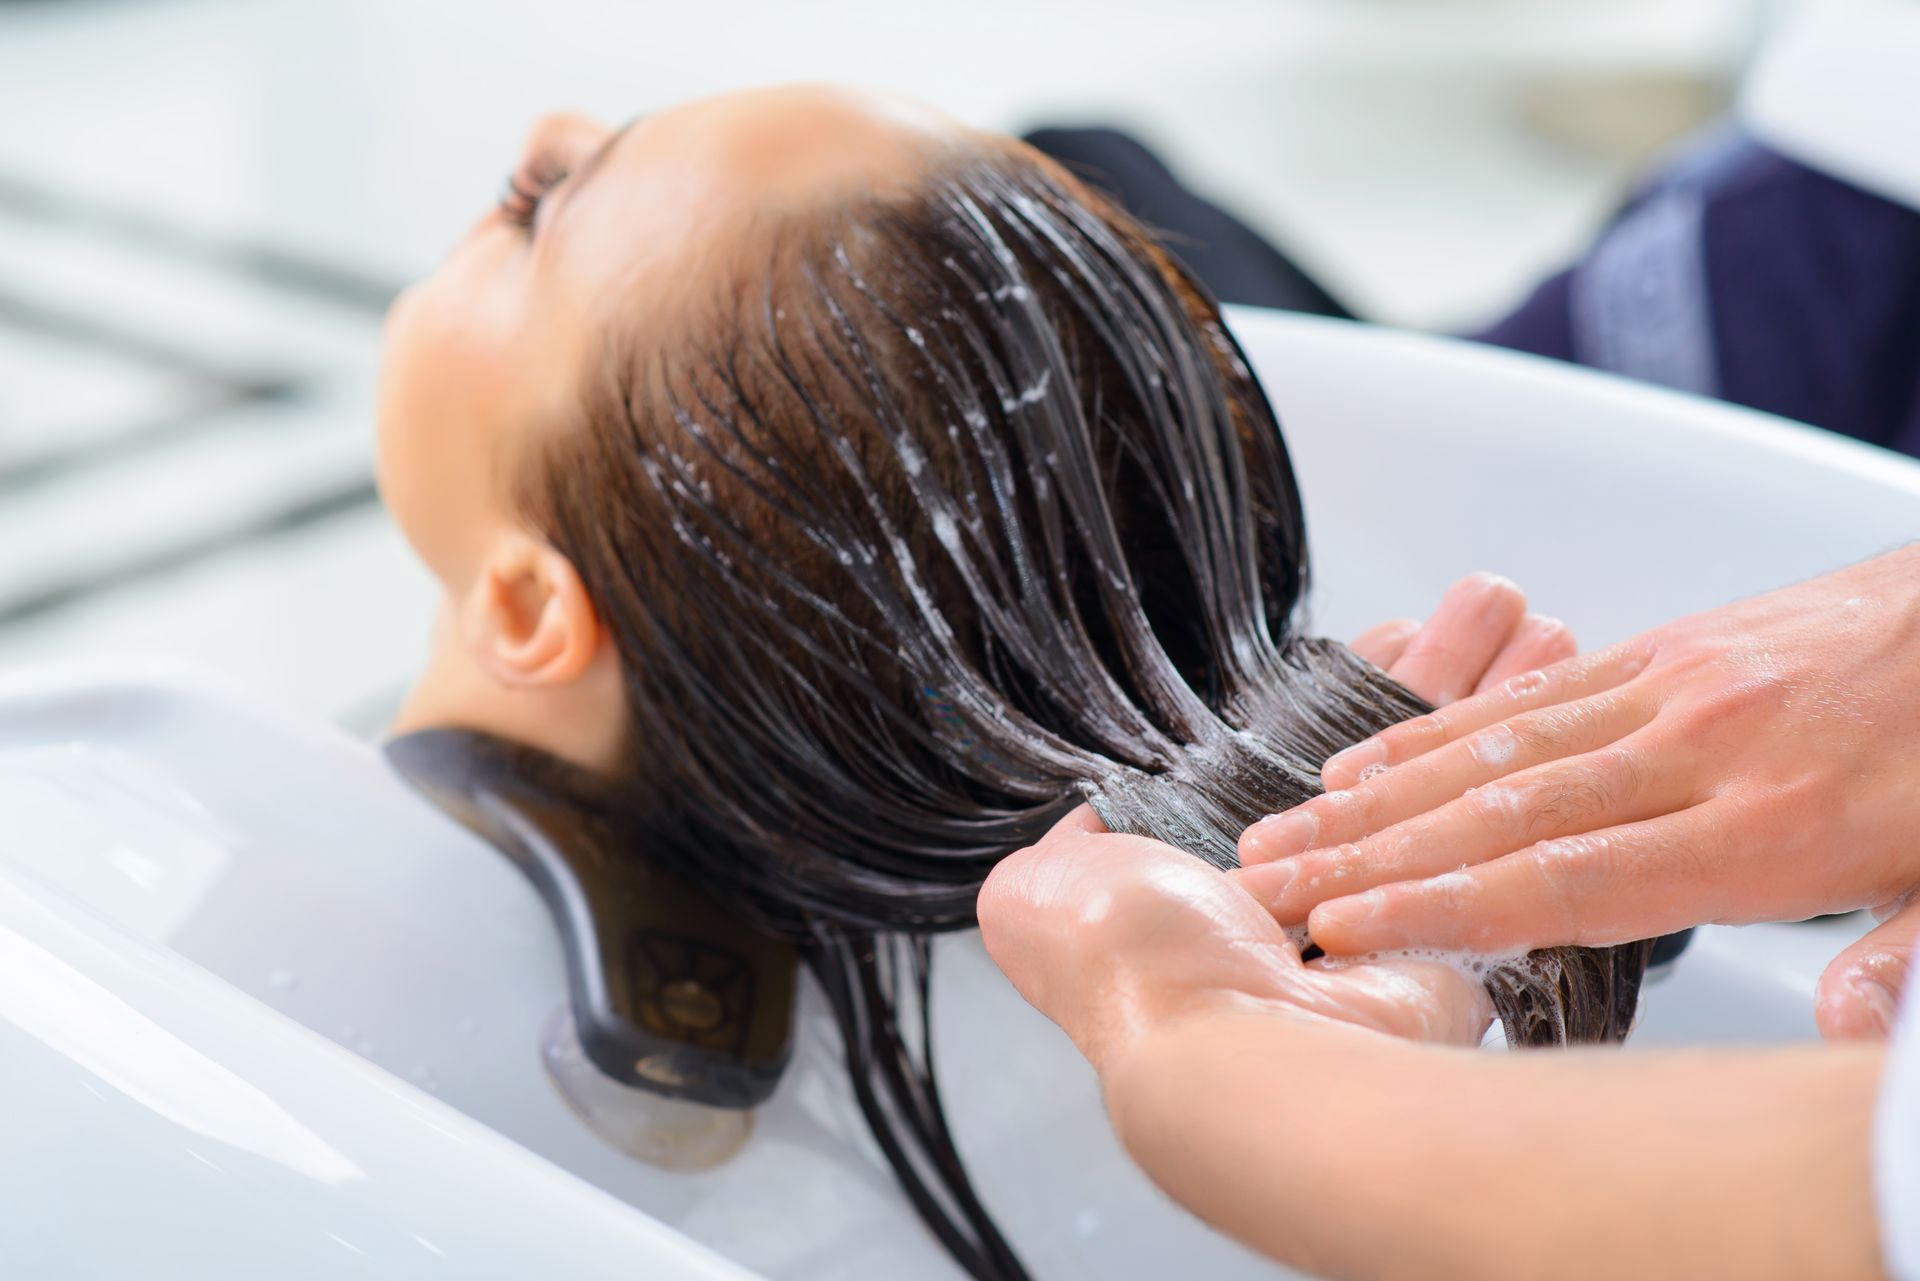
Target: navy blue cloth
(1741,274)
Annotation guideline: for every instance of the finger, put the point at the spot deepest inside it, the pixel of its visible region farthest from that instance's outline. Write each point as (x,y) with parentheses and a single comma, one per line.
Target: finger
(1423,785)
(1561,683)
(1860,992)
(1536,643)
(1565,798)
(1383,643)
(1078,821)
(1444,659)
(1604,887)
(1420,1000)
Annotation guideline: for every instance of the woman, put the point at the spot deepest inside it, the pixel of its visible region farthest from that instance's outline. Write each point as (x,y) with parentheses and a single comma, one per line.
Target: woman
(852,494)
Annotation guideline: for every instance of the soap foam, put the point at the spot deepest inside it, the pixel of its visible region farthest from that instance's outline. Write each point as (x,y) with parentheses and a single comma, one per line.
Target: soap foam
(1494,747)
(1495,802)
(1471,965)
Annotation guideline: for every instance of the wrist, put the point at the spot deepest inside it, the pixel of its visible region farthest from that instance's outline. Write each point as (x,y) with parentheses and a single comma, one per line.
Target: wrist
(1141,1012)
(1158,1056)
(1269,1124)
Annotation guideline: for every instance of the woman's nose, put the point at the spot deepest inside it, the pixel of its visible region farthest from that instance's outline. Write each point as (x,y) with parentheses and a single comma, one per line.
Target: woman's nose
(564,138)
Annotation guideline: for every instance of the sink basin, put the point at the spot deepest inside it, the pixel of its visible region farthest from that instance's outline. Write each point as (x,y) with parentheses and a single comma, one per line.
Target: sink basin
(263,1011)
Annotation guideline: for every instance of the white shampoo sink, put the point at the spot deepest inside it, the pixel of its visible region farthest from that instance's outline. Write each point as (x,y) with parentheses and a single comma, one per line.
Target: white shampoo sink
(264,1012)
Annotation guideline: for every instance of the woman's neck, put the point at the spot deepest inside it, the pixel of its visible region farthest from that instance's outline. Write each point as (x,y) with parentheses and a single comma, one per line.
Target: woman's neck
(582,721)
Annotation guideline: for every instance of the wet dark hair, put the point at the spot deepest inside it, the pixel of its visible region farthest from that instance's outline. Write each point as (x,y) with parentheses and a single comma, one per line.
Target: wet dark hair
(957,507)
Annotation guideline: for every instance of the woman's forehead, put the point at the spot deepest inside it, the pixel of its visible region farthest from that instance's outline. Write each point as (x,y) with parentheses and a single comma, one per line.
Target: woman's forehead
(674,198)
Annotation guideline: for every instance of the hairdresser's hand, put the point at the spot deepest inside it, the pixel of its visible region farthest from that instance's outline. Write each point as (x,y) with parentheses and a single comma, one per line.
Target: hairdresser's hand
(1113,936)
(1758,762)
(1478,636)
(1109,934)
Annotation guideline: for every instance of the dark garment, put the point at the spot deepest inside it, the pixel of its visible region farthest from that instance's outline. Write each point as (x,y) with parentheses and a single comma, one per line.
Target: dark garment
(1741,274)
(1736,273)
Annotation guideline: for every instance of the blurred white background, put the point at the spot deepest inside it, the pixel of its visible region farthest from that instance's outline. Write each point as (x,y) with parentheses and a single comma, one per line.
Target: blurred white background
(205,203)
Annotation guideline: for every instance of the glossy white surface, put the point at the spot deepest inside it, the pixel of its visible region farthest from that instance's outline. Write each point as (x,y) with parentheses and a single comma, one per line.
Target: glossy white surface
(1617,506)
(267,861)
(285,857)
(160,1123)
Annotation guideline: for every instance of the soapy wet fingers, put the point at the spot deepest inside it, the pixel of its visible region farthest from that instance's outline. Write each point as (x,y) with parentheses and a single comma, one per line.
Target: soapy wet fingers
(1537,642)
(1562,798)
(1383,643)
(1563,682)
(1466,632)
(1463,648)
(1860,992)
(1422,785)
(1602,887)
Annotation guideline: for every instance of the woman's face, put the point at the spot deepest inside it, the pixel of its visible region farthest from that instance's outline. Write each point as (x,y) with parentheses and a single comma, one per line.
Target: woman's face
(599,228)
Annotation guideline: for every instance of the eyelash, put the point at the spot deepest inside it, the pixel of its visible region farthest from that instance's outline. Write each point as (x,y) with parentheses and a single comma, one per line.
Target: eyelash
(527,186)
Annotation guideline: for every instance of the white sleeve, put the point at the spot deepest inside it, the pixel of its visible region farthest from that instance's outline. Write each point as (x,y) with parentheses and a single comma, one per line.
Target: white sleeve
(1896,1145)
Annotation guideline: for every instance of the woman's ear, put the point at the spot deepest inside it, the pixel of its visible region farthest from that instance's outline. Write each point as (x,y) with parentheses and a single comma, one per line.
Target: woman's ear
(527,620)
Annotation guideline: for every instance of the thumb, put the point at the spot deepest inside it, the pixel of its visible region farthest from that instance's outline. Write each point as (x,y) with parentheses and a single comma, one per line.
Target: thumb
(1860,990)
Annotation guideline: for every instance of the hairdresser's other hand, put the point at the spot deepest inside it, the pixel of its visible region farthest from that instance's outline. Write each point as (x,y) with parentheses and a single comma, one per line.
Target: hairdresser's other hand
(1756,762)
(1112,936)
(1478,636)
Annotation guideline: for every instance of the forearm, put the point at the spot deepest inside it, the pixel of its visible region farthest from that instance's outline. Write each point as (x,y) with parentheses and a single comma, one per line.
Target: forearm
(1357,1156)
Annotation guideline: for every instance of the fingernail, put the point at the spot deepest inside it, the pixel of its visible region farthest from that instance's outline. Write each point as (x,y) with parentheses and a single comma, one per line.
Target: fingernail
(1355,759)
(1284,835)
(1269,882)
(1346,913)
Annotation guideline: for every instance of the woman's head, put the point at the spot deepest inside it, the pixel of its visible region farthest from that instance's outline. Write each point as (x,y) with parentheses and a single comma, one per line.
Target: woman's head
(753,247)
(605,238)
(885,490)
